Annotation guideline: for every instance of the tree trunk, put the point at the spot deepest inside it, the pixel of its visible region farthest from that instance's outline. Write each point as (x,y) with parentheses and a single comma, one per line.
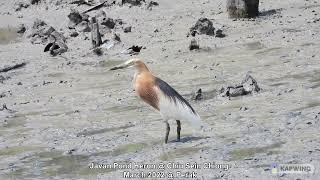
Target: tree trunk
(95,34)
(243,8)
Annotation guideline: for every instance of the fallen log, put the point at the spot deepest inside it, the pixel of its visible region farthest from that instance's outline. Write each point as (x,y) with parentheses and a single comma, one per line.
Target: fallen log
(9,68)
(95,7)
(95,33)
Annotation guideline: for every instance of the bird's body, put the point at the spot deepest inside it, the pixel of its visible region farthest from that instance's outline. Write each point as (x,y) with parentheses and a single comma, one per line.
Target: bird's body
(162,97)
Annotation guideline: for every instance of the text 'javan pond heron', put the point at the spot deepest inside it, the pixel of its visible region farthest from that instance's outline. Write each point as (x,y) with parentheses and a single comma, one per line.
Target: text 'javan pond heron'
(162,97)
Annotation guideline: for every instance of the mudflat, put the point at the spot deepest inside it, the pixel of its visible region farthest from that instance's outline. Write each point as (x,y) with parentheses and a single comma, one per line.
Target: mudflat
(68,117)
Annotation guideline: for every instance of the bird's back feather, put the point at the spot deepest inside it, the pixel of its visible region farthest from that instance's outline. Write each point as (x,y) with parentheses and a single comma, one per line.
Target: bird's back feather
(173,106)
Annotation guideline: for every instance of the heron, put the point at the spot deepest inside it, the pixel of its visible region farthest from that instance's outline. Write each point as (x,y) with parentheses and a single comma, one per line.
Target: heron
(162,97)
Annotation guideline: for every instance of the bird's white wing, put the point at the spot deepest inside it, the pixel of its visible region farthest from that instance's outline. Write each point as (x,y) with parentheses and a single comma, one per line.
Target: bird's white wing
(173,106)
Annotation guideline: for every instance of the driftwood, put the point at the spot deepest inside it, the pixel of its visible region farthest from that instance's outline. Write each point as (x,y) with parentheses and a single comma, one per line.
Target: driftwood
(80,2)
(58,45)
(16,66)
(134,50)
(95,33)
(243,8)
(95,7)
(198,95)
(248,85)
(42,33)
(4,107)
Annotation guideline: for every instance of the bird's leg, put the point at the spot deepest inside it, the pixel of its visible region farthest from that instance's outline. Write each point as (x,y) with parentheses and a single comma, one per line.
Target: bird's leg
(167,132)
(178,130)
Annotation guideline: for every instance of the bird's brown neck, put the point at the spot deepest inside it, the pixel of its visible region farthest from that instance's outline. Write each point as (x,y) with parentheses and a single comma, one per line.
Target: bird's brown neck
(141,67)
(144,85)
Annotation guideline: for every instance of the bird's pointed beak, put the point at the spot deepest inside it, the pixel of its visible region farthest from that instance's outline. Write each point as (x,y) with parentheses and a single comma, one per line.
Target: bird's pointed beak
(116,67)
(120,66)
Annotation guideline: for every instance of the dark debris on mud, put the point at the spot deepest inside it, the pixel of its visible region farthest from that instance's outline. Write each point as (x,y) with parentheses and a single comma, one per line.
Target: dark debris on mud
(248,86)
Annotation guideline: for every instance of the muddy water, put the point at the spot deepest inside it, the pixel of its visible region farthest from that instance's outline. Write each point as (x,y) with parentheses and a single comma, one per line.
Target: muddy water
(249,152)
(53,163)
(8,35)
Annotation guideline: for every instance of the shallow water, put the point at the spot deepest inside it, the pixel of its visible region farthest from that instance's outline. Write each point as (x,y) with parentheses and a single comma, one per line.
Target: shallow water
(58,164)
(240,154)
(8,35)
(179,153)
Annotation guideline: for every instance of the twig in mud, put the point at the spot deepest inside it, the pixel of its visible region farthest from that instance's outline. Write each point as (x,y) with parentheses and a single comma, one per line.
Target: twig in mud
(80,2)
(25,102)
(4,107)
(16,66)
(234,87)
(95,7)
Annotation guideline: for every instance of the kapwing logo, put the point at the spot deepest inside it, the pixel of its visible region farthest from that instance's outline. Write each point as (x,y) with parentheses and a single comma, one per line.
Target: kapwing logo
(292,168)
